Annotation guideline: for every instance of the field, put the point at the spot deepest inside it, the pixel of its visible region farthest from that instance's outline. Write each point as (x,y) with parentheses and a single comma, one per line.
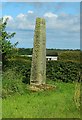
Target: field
(58,103)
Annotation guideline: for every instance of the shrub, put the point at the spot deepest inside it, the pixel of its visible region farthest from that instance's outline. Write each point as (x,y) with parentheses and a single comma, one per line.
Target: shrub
(65,71)
(22,66)
(11,82)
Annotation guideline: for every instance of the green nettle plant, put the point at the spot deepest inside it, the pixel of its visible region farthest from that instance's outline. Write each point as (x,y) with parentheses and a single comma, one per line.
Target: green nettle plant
(5,44)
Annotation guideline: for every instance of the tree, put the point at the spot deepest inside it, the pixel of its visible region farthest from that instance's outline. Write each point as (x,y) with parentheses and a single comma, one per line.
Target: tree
(6,47)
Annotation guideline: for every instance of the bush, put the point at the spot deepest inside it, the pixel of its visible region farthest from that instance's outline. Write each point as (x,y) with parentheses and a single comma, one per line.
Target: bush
(63,71)
(21,65)
(11,82)
(66,71)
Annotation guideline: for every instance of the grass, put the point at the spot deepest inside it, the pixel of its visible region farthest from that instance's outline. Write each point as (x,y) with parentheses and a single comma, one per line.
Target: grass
(57,103)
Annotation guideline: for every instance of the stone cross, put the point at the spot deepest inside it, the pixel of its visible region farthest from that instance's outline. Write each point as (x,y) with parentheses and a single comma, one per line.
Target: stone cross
(38,68)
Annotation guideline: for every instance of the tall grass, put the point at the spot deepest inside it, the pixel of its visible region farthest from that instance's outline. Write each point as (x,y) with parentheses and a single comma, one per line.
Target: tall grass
(58,103)
(77,97)
(11,83)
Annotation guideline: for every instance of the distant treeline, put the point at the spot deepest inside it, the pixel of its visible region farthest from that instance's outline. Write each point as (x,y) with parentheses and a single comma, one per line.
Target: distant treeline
(63,54)
(28,51)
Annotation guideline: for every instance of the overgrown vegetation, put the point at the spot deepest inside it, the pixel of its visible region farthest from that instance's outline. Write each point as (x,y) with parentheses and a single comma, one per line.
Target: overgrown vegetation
(12,83)
(63,71)
(18,69)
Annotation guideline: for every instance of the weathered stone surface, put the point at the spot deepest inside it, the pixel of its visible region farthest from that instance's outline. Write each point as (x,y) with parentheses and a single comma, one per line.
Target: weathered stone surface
(38,69)
(41,87)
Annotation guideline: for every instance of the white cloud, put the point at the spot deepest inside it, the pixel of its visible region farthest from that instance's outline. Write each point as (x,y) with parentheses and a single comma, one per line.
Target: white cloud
(9,17)
(11,22)
(64,27)
(21,21)
(20,16)
(25,21)
(50,14)
(30,12)
(63,22)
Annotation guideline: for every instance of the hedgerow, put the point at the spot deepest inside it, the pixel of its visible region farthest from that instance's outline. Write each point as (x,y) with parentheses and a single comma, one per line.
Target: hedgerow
(66,71)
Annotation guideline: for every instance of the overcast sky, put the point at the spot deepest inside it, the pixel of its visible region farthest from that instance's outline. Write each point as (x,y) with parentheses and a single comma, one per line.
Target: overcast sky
(62,22)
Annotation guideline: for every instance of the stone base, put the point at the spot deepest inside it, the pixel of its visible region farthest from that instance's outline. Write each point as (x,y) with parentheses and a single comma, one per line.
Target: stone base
(41,87)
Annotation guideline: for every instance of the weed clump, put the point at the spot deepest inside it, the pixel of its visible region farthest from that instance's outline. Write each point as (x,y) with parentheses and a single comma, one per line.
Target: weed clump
(12,82)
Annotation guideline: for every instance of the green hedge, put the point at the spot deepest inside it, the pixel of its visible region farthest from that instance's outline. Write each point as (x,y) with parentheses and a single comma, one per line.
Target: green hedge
(22,66)
(63,71)
(66,71)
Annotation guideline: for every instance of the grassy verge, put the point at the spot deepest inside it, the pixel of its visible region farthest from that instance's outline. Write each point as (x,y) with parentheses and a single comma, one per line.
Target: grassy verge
(57,103)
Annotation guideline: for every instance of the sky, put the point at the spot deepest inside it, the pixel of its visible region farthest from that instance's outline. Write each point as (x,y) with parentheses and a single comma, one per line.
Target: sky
(62,23)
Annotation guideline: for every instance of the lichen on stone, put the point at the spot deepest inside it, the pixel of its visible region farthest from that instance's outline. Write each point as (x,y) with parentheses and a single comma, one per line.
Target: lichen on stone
(38,68)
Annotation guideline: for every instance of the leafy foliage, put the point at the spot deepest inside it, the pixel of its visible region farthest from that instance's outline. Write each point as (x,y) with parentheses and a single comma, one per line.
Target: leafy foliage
(16,75)
(63,71)
(6,46)
(56,70)
(22,66)
(12,83)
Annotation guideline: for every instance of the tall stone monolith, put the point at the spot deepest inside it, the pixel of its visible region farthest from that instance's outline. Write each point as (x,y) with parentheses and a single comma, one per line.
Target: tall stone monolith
(38,68)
